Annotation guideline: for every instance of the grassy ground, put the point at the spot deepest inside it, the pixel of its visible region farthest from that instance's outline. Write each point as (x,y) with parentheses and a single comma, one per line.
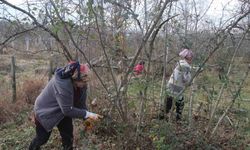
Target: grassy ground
(155,134)
(17,129)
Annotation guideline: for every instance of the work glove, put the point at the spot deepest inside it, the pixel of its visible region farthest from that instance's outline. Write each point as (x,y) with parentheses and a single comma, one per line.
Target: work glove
(92,116)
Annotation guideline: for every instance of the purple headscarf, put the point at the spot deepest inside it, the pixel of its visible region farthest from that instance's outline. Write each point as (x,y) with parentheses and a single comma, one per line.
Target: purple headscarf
(186,53)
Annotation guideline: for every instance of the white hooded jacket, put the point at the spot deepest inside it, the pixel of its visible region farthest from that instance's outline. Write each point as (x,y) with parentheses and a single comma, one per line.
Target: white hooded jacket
(180,77)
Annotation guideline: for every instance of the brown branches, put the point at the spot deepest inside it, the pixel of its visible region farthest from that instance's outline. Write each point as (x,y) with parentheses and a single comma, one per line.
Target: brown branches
(16,34)
(77,47)
(67,53)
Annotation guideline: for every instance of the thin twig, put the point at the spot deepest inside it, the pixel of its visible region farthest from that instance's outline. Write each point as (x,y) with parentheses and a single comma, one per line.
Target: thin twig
(224,84)
(77,47)
(65,49)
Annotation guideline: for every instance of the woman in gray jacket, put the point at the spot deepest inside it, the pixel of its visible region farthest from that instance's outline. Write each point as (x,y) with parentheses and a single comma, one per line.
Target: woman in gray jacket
(62,99)
(180,78)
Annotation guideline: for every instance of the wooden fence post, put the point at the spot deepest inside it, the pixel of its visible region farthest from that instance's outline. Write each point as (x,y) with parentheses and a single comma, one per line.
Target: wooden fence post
(50,69)
(13,77)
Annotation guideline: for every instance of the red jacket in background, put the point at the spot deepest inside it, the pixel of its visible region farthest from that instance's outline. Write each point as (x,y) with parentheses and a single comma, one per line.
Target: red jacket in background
(138,69)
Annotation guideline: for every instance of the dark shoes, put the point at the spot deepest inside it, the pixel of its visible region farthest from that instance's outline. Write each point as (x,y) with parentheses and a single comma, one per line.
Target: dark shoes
(67,147)
(178,117)
(161,116)
(165,112)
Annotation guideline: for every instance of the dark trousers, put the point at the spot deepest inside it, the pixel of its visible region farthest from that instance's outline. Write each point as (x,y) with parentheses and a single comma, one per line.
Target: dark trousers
(179,106)
(65,128)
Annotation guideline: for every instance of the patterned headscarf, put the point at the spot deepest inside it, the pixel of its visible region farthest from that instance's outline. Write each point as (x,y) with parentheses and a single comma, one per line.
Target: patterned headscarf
(84,69)
(186,53)
(82,73)
(75,70)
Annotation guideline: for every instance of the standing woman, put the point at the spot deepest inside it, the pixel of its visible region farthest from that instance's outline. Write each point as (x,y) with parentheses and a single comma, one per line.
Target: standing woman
(139,68)
(180,78)
(62,99)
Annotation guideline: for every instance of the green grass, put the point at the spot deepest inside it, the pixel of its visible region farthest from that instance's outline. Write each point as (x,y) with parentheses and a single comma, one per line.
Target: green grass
(19,133)
(15,136)
(139,84)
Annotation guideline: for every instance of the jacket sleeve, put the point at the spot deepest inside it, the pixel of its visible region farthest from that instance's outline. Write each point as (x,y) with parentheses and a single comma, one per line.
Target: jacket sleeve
(186,74)
(186,77)
(177,73)
(65,102)
(81,101)
(83,98)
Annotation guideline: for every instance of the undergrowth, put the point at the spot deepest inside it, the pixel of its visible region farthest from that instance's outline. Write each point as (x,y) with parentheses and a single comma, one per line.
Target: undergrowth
(17,129)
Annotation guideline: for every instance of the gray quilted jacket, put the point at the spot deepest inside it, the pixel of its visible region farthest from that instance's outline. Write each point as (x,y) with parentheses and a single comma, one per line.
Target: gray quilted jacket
(55,102)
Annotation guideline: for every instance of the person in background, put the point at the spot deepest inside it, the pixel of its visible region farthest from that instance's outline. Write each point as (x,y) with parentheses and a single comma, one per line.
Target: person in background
(63,98)
(139,68)
(180,78)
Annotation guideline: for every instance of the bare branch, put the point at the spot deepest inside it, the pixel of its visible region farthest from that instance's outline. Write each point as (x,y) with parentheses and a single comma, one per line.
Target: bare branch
(77,47)
(67,55)
(16,34)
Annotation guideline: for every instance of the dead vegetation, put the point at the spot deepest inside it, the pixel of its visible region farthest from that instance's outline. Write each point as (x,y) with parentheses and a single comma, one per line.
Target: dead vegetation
(111,133)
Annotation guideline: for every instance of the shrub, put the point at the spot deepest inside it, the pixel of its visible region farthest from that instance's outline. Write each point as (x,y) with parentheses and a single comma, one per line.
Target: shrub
(31,89)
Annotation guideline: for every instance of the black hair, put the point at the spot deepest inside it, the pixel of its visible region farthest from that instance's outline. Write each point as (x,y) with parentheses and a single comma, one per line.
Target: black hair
(70,69)
(142,62)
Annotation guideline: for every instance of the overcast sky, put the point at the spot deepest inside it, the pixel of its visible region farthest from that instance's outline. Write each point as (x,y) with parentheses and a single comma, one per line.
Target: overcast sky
(215,10)
(217,5)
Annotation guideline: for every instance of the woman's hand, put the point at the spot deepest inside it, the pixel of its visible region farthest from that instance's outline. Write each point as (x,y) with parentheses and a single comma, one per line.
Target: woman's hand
(93,116)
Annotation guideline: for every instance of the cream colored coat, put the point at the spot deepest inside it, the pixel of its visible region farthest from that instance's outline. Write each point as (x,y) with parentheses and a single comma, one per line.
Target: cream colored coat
(179,78)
